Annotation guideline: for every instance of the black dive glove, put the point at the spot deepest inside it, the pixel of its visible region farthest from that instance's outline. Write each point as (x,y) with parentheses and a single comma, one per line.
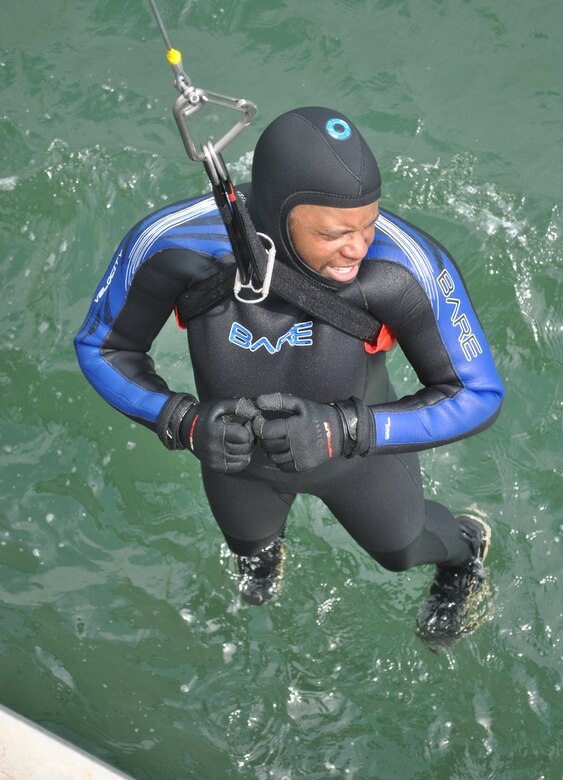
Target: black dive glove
(219,433)
(306,434)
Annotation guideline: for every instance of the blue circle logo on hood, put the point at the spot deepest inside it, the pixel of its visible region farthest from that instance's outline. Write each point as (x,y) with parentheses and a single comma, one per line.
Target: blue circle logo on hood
(338,129)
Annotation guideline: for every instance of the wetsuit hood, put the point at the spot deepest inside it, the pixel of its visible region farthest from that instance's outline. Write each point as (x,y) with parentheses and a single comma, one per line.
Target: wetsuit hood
(310,155)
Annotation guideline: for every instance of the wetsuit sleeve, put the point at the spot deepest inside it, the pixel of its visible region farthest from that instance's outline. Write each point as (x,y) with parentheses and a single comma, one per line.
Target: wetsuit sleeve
(133,301)
(424,301)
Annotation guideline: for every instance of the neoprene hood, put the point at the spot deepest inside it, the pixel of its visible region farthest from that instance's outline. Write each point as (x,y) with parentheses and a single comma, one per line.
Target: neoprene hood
(309,155)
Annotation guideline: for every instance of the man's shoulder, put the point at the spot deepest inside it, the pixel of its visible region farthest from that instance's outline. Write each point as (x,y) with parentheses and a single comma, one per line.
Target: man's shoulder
(398,240)
(194,224)
(393,230)
(193,215)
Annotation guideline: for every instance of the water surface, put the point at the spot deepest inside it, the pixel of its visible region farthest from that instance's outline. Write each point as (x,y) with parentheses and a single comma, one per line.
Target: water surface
(120,625)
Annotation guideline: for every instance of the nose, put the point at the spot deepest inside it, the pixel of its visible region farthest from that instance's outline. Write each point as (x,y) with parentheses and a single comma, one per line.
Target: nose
(356,246)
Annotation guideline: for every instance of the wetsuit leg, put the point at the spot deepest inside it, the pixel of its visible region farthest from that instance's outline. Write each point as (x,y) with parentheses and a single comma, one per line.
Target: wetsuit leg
(251,513)
(380,502)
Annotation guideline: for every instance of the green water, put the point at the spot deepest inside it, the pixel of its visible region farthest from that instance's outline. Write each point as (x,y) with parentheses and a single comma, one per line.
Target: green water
(120,628)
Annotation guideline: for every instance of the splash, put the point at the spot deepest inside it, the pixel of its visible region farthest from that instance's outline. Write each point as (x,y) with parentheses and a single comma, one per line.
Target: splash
(512,240)
(8,183)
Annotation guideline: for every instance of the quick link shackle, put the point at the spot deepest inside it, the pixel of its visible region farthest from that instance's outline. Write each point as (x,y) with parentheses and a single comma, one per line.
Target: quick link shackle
(192,99)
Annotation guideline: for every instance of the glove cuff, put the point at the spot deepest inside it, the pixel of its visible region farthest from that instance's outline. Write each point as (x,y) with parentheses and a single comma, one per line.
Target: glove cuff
(349,419)
(170,420)
(359,427)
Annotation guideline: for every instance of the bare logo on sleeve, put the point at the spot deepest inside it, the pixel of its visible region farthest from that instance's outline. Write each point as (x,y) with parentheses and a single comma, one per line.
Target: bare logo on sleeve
(467,339)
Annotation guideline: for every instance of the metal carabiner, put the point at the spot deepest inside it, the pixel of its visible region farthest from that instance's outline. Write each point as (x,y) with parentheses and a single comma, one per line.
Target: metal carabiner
(261,292)
(192,100)
(214,165)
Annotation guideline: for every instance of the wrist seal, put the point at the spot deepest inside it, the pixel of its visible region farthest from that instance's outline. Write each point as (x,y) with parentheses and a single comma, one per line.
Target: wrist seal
(170,419)
(359,427)
(349,418)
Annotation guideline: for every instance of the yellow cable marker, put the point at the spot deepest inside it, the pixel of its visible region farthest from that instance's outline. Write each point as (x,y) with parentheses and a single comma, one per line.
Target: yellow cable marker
(174,56)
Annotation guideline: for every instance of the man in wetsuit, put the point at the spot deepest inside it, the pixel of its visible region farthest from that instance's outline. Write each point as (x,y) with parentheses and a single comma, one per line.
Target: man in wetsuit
(289,403)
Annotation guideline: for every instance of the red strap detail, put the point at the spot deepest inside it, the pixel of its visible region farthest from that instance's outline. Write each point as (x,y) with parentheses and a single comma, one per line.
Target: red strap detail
(180,323)
(191,436)
(232,195)
(328,433)
(385,342)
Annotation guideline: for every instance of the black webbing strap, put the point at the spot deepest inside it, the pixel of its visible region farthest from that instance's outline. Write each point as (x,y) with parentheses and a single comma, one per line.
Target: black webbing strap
(205,295)
(312,296)
(229,205)
(288,283)
(324,304)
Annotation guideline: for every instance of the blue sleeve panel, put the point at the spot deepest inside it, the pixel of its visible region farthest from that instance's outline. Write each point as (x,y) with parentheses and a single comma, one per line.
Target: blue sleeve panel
(462,391)
(117,366)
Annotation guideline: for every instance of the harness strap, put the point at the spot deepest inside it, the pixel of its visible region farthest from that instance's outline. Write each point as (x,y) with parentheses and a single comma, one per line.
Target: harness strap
(324,304)
(205,295)
(288,283)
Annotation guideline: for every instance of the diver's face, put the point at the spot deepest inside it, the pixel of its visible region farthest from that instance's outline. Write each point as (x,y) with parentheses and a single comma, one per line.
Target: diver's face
(333,241)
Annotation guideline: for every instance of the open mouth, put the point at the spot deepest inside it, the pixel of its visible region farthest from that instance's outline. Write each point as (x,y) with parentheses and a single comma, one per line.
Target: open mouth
(342,273)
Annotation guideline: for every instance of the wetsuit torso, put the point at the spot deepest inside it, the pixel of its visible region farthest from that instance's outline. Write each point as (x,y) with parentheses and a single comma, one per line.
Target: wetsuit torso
(407,280)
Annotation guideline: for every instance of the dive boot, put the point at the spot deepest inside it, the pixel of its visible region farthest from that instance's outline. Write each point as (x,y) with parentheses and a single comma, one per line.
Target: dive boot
(261,574)
(457,602)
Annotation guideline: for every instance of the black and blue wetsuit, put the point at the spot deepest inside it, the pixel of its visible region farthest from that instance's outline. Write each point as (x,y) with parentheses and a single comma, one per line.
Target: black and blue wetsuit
(407,280)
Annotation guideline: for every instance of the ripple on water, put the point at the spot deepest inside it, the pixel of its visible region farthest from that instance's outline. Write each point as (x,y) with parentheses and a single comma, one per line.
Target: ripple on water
(511,242)
(131,635)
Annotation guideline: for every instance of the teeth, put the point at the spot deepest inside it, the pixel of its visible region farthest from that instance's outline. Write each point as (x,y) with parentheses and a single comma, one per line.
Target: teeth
(344,270)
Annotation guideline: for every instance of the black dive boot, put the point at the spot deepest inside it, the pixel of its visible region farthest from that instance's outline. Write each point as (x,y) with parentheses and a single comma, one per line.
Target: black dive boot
(261,574)
(456,604)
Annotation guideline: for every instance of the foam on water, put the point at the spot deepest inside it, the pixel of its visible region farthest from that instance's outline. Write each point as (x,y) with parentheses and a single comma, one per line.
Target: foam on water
(511,241)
